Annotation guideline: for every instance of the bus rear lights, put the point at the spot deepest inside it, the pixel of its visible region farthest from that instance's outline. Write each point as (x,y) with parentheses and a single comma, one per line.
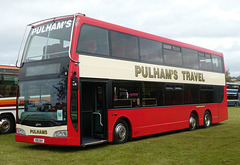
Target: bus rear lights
(63,133)
(21,131)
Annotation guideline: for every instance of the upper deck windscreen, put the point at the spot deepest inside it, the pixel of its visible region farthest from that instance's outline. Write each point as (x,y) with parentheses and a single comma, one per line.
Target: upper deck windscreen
(49,40)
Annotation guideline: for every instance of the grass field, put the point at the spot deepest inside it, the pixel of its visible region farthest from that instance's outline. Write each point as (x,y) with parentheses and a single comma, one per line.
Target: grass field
(219,144)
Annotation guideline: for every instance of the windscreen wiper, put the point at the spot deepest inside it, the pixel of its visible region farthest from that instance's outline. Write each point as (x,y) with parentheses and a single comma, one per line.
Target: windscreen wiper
(50,120)
(26,118)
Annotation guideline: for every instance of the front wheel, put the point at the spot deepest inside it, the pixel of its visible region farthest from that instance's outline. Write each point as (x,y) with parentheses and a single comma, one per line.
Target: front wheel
(192,122)
(120,132)
(207,119)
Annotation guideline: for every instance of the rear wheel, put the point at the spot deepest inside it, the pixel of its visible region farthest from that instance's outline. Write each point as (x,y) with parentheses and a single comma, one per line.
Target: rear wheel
(120,132)
(192,122)
(207,119)
(7,123)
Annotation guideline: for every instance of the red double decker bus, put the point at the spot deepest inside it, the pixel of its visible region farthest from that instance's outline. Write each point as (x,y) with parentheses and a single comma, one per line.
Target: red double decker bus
(83,81)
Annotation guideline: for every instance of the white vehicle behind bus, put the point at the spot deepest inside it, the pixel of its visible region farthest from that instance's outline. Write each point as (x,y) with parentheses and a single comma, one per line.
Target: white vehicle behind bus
(8,89)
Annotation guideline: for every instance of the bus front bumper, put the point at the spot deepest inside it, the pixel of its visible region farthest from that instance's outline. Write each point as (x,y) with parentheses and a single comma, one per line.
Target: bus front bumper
(65,141)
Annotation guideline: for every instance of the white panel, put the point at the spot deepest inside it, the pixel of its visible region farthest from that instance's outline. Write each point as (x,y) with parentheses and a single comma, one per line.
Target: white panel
(36,131)
(106,68)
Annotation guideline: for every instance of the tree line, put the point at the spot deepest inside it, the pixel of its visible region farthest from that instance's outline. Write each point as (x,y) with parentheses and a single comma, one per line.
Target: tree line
(230,78)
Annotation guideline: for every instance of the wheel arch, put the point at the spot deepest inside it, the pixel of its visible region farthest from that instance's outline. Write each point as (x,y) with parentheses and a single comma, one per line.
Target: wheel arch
(208,111)
(9,114)
(129,125)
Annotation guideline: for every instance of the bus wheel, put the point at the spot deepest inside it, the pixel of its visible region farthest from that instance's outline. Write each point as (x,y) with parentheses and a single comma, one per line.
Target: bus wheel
(192,122)
(207,119)
(120,132)
(7,123)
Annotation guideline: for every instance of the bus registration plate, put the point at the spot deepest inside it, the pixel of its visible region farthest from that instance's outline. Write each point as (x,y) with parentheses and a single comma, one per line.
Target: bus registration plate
(38,140)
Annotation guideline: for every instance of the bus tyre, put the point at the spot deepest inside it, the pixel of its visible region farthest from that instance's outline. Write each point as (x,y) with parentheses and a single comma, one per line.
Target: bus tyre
(7,123)
(120,132)
(192,122)
(207,119)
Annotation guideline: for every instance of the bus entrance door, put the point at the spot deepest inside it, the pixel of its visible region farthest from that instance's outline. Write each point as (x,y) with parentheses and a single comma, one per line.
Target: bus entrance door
(92,113)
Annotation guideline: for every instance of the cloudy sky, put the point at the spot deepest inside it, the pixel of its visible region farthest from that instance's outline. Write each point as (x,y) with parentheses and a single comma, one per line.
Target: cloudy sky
(212,24)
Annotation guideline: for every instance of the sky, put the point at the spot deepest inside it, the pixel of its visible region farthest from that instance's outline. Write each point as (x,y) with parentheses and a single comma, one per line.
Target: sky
(212,24)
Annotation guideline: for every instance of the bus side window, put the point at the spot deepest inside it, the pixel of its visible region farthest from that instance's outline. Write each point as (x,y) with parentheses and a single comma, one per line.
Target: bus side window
(124,45)
(174,95)
(150,51)
(172,55)
(190,58)
(126,95)
(93,40)
(152,94)
(207,94)
(119,50)
(217,63)
(205,61)
(191,94)
(88,46)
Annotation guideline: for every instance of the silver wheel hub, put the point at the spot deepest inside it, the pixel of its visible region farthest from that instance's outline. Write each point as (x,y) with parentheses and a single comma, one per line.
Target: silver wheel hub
(192,122)
(5,124)
(207,120)
(120,132)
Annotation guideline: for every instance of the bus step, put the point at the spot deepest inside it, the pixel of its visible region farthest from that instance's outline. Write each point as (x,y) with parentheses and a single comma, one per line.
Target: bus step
(91,141)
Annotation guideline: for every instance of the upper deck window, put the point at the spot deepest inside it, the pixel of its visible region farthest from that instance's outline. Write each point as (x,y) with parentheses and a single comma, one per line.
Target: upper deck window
(172,55)
(217,63)
(150,51)
(205,61)
(190,58)
(124,45)
(50,40)
(93,40)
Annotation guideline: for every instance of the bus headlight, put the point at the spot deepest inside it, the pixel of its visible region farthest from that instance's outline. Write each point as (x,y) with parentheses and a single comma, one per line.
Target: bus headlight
(21,131)
(63,133)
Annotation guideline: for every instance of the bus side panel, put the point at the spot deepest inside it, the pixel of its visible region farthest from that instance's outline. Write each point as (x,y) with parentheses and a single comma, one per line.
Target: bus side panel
(214,110)
(223,111)
(147,121)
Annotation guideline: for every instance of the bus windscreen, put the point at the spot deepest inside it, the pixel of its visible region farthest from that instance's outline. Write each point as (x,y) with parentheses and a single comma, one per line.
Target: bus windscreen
(49,40)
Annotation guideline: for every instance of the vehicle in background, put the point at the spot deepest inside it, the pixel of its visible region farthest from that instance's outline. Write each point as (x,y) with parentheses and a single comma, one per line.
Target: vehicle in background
(8,90)
(233,95)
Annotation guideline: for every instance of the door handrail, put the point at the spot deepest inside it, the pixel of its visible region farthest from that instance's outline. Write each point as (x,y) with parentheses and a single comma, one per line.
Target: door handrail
(100,115)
